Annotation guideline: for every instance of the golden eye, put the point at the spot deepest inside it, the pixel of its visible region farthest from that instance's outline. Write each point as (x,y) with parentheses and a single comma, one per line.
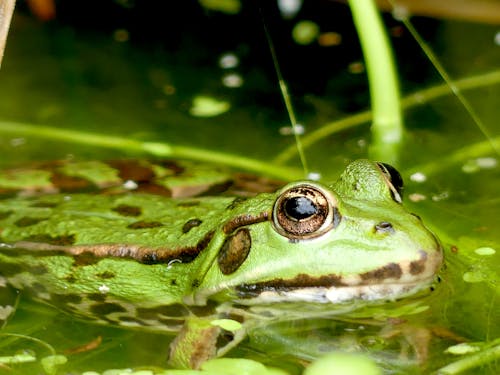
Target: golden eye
(304,211)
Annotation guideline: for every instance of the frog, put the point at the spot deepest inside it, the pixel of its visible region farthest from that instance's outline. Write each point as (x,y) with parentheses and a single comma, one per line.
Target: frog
(144,254)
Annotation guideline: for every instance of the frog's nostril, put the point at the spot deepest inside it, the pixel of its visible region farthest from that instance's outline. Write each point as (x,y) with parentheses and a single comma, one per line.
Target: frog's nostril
(384,227)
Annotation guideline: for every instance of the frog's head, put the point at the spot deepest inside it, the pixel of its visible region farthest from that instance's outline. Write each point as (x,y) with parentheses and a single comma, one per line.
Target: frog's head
(352,240)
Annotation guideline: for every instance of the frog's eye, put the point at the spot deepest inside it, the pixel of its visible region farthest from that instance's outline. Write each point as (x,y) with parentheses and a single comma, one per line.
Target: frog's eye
(304,211)
(393,179)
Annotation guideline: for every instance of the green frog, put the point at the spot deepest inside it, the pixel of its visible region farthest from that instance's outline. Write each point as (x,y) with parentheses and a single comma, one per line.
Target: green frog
(160,247)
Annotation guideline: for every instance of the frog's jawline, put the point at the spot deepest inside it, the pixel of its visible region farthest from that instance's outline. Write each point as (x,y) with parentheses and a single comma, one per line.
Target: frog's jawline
(389,282)
(335,294)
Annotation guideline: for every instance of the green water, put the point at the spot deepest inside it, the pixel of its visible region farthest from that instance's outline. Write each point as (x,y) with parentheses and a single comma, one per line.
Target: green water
(70,74)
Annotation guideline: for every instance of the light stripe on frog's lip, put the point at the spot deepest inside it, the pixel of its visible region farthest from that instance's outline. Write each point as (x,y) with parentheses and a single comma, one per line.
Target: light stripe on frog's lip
(386,282)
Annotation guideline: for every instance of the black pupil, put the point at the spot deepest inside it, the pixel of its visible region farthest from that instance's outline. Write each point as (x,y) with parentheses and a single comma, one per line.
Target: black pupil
(299,208)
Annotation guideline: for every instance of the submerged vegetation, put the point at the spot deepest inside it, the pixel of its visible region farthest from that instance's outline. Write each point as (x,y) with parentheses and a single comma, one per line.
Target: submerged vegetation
(170,94)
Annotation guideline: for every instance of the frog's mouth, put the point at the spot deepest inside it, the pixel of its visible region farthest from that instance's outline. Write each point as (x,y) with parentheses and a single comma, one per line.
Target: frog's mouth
(389,282)
(257,294)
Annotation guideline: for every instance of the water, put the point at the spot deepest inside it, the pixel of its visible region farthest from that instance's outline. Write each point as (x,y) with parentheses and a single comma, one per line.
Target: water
(134,71)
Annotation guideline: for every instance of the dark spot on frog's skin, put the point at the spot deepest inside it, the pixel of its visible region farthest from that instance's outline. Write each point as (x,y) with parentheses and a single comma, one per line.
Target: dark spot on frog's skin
(195,283)
(384,227)
(27,221)
(38,270)
(173,282)
(171,322)
(133,170)
(96,297)
(35,289)
(389,271)
(106,275)
(85,259)
(418,266)
(69,183)
(235,203)
(144,224)
(217,189)
(70,279)
(190,224)
(153,189)
(44,204)
(65,298)
(234,251)
(11,269)
(224,338)
(5,214)
(63,240)
(103,309)
(127,210)
(188,204)
(299,281)
(204,310)
(173,311)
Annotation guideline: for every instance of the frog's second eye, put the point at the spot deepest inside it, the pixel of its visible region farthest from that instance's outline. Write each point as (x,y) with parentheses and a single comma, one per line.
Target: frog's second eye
(394,181)
(304,211)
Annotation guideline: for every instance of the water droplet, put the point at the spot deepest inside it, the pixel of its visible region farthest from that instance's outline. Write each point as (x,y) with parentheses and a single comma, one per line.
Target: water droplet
(104,288)
(15,142)
(130,185)
(232,80)
(418,177)
(485,251)
(314,176)
(228,61)
(441,196)
(497,39)
(417,197)
(289,8)
(298,129)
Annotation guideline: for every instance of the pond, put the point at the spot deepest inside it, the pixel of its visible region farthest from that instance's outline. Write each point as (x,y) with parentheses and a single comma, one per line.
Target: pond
(116,80)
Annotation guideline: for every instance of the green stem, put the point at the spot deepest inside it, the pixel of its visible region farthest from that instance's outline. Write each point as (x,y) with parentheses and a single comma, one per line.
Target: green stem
(459,156)
(387,126)
(155,149)
(419,97)
(480,358)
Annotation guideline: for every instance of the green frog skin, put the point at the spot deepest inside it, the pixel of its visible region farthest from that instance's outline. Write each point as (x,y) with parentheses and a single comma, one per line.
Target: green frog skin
(145,260)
